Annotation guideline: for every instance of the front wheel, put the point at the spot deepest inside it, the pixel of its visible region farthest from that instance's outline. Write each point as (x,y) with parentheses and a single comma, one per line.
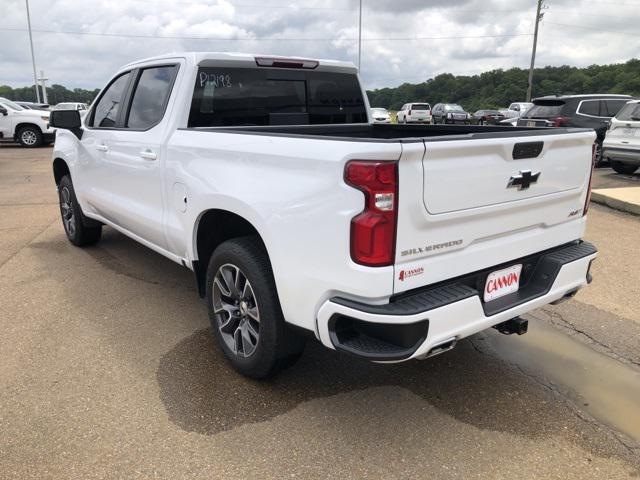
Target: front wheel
(245,312)
(623,168)
(73,220)
(30,136)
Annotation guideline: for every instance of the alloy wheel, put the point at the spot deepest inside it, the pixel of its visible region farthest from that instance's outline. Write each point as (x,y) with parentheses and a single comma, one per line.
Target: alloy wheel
(68,218)
(236,310)
(29,137)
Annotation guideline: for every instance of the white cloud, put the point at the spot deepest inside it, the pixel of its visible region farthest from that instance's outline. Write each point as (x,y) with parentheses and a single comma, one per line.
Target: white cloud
(316,28)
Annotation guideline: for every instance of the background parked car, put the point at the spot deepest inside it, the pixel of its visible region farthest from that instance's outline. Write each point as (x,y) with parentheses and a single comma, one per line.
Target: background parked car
(34,106)
(414,113)
(622,142)
(585,111)
(380,115)
(450,113)
(488,117)
(516,109)
(30,128)
(71,106)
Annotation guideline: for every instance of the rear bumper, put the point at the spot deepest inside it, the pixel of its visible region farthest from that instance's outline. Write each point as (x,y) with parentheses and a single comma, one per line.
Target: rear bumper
(426,119)
(630,156)
(414,324)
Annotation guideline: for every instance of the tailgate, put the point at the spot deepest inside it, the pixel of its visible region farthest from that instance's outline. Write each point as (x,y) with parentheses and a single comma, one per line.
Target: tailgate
(469,204)
(479,173)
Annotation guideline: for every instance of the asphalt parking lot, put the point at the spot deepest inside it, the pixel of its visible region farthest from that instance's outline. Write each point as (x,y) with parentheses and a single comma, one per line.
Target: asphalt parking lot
(108,370)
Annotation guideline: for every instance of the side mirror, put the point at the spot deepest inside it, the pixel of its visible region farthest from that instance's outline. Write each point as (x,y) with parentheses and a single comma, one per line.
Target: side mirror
(3,111)
(67,120)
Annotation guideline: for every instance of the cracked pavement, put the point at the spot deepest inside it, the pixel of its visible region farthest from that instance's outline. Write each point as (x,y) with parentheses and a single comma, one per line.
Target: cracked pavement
(109,371)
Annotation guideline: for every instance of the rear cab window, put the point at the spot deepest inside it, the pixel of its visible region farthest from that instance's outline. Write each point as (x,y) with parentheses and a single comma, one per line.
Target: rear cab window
(247,96)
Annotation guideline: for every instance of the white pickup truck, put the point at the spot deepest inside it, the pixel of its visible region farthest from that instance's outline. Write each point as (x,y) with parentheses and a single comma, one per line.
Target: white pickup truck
(30,128)
(300,217)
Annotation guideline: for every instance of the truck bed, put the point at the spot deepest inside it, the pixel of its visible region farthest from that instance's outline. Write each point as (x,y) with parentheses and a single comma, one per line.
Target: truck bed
(392,133)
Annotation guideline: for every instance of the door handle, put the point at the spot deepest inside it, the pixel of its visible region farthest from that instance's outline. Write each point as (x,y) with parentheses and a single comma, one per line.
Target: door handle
(148,154)
(101,147)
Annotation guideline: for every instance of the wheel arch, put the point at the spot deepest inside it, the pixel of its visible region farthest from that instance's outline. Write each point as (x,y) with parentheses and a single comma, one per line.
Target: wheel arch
(60,169)
(24,124)
(212,227)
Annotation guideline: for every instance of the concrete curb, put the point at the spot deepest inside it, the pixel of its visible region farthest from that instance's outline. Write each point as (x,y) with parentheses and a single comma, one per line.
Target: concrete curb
(623,199)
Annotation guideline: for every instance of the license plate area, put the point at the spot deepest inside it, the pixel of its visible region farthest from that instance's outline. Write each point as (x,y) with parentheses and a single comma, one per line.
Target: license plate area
(502,282)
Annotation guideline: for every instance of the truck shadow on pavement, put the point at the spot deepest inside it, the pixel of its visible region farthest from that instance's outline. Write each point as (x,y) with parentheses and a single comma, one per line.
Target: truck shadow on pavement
(203,394)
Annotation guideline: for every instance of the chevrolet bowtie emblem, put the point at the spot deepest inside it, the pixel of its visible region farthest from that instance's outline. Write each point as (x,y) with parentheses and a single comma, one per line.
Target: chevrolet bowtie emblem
(523,180)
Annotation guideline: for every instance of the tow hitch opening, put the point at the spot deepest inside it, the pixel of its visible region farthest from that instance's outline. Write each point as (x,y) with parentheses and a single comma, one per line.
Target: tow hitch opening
(515,325)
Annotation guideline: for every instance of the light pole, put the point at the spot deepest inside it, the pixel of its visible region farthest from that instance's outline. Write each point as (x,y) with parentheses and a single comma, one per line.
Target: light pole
(359,36)
(43,79)
(33,57)
(533,50)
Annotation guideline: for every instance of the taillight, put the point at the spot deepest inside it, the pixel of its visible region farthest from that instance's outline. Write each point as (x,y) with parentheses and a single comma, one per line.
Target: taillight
(560,121)
(373,231)
(593,166)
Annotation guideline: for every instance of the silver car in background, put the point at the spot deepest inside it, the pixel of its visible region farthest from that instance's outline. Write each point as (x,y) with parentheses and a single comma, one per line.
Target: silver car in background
(380,115)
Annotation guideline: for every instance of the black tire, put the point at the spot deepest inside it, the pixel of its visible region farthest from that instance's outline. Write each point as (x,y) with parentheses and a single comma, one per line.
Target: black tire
(276,345)
(623,168)
(29,136)
(73,220)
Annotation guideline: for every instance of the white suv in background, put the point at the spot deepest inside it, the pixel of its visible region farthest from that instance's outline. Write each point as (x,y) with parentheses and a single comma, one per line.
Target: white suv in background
(516,109)
(30,128)
(414,113)
(622,142)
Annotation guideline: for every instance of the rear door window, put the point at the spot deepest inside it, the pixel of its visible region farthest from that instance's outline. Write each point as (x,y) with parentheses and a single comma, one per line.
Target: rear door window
(590,107)
(244,96)
(150,96)
(612,107)
(108,107)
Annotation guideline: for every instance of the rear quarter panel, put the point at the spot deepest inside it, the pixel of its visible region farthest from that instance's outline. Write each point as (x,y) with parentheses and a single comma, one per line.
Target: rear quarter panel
(292,191)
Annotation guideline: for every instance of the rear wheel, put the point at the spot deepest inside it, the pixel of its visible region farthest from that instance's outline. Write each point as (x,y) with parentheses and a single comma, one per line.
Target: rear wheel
(245,312)
(30,136)
(623,168)
(73,220)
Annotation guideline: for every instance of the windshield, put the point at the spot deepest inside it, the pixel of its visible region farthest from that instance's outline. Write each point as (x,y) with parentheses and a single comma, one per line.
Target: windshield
(420,106)
(379,111)
(65,106)
(10,104)
(452,107)
(544,110)
(630,112)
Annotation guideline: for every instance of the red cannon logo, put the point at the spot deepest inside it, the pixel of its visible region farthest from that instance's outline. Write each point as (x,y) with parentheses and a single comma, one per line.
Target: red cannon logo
(503,281)
(410,273)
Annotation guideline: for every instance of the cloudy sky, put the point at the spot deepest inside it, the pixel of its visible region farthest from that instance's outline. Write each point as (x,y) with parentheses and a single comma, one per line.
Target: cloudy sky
(80,43)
